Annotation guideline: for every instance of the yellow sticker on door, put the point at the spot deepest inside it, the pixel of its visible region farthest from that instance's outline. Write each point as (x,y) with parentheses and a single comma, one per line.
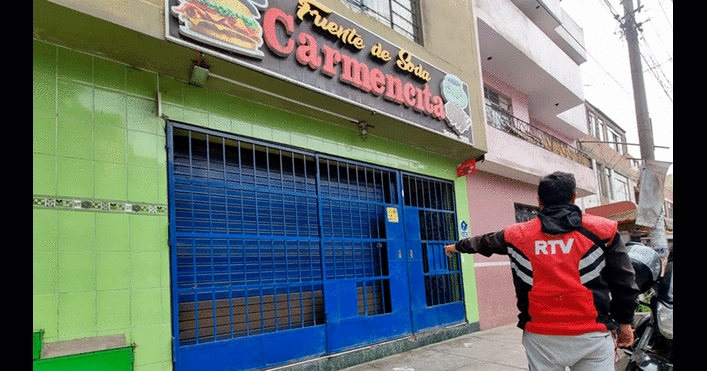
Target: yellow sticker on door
(392,214)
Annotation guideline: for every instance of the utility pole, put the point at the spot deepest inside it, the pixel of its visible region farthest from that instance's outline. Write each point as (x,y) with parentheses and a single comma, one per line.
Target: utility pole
(652,172)
(645,129)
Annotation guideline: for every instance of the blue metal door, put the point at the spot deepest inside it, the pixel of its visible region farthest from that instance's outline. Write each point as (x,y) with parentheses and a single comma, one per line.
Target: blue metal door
(430,223)
(279,254)
(365,291)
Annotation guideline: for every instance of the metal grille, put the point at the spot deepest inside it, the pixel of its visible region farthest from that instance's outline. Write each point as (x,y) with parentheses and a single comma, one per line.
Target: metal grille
(248,259)
(435,201)
(353,199)
(401,15)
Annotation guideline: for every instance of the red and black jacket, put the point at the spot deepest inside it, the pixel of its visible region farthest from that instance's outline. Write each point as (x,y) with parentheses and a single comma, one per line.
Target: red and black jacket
(567,284)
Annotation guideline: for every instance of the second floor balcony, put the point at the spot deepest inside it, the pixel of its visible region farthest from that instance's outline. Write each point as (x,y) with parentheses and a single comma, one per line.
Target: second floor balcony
(514,126)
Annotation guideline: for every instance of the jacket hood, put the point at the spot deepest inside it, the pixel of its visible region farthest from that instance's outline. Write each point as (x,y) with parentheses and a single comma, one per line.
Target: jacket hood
(560,219)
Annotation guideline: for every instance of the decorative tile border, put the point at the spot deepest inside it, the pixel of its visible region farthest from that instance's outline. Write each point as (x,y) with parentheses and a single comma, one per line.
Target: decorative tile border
(50,202)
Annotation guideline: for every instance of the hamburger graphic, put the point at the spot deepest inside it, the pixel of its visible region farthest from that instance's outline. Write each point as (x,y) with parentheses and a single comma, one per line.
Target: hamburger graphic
(227,24)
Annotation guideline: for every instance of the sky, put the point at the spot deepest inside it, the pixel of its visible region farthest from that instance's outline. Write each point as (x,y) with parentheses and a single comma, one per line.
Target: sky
(607,76)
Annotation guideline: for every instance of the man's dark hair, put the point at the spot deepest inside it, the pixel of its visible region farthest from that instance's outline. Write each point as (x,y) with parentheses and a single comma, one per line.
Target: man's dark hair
(556,188)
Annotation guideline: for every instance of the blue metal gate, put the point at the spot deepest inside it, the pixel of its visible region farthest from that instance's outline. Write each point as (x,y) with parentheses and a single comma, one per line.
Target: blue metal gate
(280,254)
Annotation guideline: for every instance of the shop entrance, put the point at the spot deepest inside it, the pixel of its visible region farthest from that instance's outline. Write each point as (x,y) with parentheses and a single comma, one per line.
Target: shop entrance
(279,254)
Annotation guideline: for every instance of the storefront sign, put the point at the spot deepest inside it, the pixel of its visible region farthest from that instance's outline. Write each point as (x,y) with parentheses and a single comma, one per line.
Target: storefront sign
(306,43)
(465,168)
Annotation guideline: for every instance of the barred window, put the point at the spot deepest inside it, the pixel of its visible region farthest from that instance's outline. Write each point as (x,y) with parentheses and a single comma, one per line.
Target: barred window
(401,15)
(525,213)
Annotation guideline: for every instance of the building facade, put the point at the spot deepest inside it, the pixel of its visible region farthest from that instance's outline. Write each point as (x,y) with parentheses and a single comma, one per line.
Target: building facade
(251,184)
(530,56)
(616,172)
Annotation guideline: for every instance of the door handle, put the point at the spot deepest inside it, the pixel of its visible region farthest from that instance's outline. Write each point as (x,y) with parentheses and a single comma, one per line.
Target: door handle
(411,254)
(400,254)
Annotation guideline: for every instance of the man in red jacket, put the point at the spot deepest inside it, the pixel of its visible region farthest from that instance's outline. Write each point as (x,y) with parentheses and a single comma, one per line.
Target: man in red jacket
(573,280)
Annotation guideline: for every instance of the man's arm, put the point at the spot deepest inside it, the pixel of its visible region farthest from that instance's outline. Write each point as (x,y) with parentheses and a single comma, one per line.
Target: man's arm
(620,275)
(485,244)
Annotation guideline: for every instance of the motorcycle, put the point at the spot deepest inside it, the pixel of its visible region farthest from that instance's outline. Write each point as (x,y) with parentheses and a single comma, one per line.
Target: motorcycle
(652,349)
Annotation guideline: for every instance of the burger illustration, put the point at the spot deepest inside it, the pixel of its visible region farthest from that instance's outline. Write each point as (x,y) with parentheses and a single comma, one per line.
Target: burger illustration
(227,24)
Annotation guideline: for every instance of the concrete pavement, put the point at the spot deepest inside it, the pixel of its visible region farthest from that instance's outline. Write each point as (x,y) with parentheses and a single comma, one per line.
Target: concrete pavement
(497,349)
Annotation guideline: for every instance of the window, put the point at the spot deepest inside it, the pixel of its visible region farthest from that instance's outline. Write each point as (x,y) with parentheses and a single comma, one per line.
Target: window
(600,180)
(620,187)
(598,128)
(616,140)
(525,212)
(401,15)
(500,112)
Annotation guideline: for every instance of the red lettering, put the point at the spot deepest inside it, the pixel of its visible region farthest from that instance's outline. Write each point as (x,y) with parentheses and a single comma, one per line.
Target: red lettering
(393,89)
(307,51)
(377,82)
(409,94)
(438,108)
(270,35)
(331,58)
(426,95)
(355,73)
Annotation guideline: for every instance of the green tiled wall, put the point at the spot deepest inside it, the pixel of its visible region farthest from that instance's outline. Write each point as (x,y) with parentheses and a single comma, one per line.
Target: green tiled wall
(97,137)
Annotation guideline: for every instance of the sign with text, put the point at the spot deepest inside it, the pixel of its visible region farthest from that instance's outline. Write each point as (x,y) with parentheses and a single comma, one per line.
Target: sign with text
(306,43)
(465,168)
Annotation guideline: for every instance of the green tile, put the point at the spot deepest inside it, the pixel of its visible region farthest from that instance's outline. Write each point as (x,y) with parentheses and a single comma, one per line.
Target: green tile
(76,271)
(144,269)
(144,233)
(74,177)
(44,133)
(44,315)
(171,90)
(242,128)
(75,100)
(173,111)
(217,122)
(108,74)
(77,314)
(44,272)
(165,269)
(139,82)
(142,149)
(142,184)
(44,94)
(110,144)
(142,115)
(76,231)
(145,307)
(162,189)
(281,136)
(44,226)
(196,97)
(75,138)
(43,174)
(149,345)
(110,181)
(110,108)
(196,117)
(75,65)
(162,152)
(112,310)
(112,270)
(112,232)
(44,57)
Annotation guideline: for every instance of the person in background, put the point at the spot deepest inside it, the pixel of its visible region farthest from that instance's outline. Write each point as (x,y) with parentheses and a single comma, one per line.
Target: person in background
(573,280)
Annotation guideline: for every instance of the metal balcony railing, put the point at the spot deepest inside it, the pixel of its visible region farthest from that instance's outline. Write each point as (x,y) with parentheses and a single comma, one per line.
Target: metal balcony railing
(512,125)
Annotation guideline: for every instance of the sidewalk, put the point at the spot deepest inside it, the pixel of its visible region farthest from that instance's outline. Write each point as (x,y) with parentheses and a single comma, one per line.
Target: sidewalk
(497,349)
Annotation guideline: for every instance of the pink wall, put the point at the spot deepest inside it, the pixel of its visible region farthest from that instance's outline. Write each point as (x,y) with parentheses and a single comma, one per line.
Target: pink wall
(491,199)
(519,101)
